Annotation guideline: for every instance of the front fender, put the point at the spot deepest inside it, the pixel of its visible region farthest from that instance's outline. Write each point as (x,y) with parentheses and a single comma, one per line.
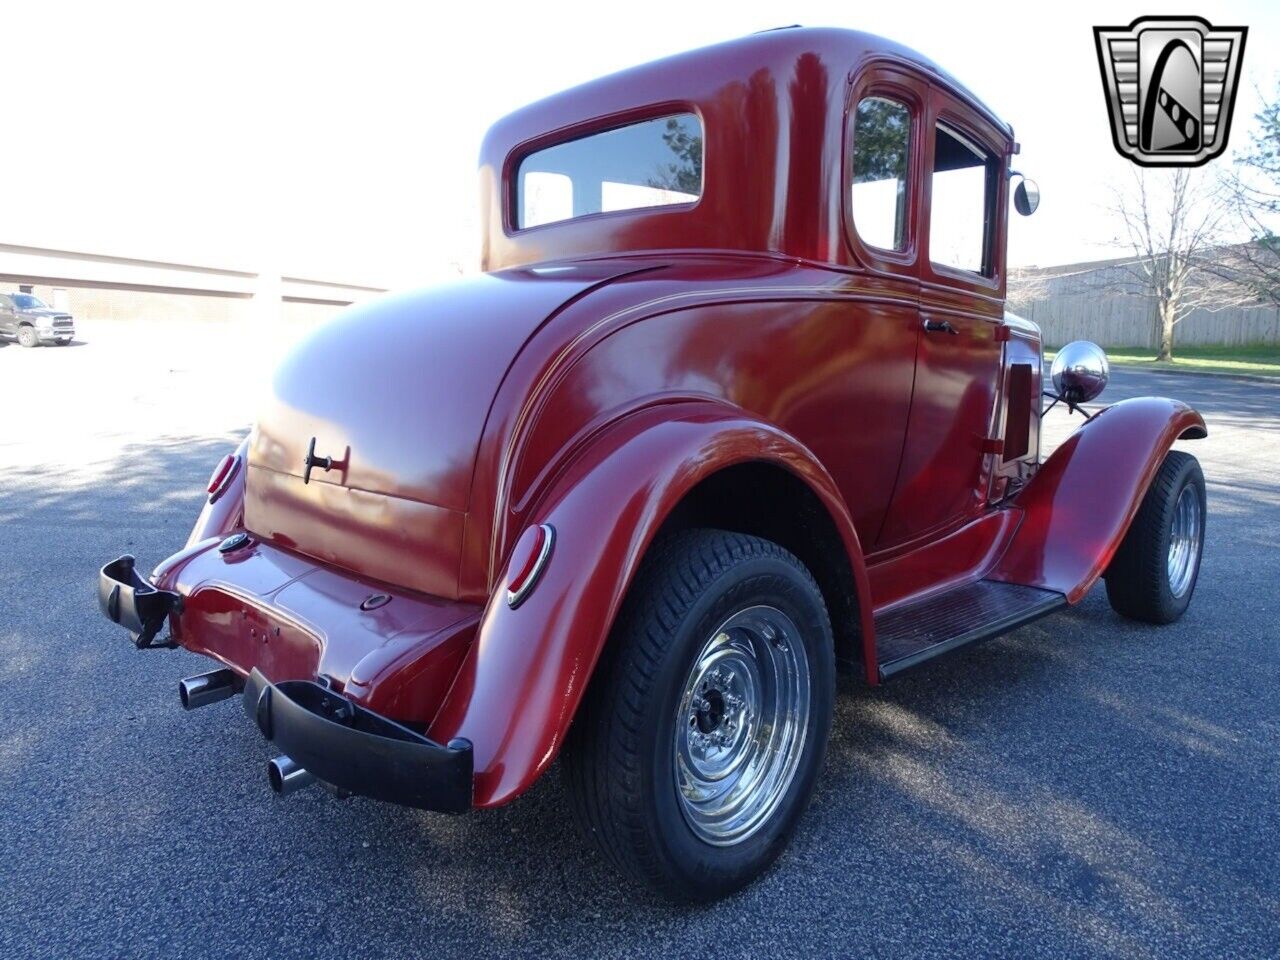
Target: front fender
(1079,505)
(525,675)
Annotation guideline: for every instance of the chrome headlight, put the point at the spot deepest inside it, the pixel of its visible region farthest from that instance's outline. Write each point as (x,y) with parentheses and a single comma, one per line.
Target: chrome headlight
(1080,371)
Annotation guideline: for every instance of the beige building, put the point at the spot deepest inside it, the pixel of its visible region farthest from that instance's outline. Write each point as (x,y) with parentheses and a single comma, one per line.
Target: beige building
(96,286)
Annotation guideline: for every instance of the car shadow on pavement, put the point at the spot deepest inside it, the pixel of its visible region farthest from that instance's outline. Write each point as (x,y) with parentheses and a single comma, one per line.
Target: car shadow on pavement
(1083,781)
(1037,773)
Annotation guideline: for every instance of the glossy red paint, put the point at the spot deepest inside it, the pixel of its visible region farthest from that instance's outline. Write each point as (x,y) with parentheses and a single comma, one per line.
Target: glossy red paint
(217,519)
(608,365)
(967,554)
(292,618)
(523,678)
(772,106)
(1079,506)
(397,393)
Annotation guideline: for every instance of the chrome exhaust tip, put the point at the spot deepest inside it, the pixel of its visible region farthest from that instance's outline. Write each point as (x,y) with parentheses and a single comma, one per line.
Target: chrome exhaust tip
(207,688)
(286,776)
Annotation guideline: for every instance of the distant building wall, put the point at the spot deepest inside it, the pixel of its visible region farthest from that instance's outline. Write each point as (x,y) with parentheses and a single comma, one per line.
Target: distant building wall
(303,313)
(1080,302)
(98,287)
(102,303)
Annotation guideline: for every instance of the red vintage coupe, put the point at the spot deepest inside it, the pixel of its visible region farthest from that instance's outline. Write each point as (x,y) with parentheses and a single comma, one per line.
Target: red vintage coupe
(735,400)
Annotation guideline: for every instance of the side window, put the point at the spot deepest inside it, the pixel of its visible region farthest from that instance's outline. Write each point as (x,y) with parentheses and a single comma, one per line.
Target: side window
(878,194)
(961,208)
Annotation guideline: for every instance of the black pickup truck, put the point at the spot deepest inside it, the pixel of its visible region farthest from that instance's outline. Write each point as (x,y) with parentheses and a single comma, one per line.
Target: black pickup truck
(33,322)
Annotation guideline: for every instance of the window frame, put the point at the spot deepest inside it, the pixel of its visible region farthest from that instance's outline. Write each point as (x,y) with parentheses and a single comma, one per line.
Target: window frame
(963,120)
(990,198)
(904,204)
(887,81)
(581,131)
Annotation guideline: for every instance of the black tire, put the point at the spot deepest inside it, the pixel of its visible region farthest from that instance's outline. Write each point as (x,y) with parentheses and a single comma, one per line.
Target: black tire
(62,343)
(619,761)
(28,337)
(1138,578)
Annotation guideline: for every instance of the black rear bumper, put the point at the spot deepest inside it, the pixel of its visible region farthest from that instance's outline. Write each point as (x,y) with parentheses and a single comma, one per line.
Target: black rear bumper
(357,750)
(333,739)
(129,599)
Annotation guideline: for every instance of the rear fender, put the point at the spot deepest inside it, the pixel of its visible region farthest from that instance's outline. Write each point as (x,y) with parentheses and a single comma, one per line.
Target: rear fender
(1079,505)
(216,520)
(525,675)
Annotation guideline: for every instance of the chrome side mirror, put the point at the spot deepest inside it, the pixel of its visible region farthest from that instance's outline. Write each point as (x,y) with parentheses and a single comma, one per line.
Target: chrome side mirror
(1080,372)
(1026,197)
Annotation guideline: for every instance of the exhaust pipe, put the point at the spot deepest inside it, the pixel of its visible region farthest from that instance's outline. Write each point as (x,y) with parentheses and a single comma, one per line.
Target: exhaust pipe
(207,688)
(286,776)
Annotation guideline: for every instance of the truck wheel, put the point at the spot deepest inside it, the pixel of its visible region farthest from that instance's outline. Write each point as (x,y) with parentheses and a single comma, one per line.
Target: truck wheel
(697,745)
(1153,574)
(28,337)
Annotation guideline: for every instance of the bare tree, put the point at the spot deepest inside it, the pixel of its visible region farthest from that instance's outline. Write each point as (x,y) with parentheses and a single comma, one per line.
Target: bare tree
(1028,285)
(1174,223)
(1253,184)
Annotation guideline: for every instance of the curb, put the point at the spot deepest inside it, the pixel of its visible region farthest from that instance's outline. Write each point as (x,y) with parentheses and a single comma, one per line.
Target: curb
(1206,374)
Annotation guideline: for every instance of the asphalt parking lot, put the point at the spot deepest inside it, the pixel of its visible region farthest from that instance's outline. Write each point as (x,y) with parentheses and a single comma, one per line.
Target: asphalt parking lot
(1086,787)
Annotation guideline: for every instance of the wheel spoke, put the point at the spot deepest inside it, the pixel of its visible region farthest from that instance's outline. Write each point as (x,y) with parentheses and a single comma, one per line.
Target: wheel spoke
(741,725)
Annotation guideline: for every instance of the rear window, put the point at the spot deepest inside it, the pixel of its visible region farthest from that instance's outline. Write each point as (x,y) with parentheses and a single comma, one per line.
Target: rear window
(654,163)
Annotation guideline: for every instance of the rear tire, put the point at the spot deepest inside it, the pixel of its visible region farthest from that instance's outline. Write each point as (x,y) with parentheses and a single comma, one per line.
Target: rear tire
(696,748)
(1154,573)
(28,337)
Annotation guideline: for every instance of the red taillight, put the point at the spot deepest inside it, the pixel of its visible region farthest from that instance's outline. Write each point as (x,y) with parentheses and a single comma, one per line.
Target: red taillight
(528,560)
(221,476)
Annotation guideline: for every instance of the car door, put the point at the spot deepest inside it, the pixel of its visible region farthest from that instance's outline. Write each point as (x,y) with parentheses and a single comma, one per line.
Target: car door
(8,319)
(944,473)
(878,321)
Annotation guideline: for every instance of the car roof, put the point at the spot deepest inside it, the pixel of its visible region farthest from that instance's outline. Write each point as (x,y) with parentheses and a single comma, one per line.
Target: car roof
(738,59)
(777,95)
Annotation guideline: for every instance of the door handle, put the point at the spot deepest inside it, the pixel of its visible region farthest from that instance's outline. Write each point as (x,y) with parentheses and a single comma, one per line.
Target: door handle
(940,326)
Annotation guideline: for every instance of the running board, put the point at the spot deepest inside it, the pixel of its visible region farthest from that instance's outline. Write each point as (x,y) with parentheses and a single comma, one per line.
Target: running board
(908,635)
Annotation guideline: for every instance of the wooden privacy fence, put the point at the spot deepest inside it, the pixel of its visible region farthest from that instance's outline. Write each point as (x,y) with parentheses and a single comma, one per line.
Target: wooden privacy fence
(1089,302)
(1112,320)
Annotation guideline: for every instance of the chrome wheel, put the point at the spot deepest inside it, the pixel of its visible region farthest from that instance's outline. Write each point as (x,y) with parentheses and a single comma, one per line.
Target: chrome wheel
(741,725)
(1184,542)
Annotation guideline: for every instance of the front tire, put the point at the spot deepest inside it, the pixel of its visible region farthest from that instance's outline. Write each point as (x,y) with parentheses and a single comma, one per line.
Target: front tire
(28,337)
(1153,574)
(696,748)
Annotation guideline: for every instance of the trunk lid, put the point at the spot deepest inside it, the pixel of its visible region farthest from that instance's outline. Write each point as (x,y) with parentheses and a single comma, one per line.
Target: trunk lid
(395,393)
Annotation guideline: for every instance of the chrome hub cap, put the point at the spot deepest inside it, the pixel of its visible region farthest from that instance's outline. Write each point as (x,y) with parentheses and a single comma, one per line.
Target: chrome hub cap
(741,725)
(1184,542)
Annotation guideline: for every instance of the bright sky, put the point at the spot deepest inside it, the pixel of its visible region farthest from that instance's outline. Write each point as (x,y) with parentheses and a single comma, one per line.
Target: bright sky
(339,141)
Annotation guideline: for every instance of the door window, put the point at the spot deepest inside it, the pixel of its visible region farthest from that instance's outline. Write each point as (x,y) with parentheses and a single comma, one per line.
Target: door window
(878,194)
(962,204)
